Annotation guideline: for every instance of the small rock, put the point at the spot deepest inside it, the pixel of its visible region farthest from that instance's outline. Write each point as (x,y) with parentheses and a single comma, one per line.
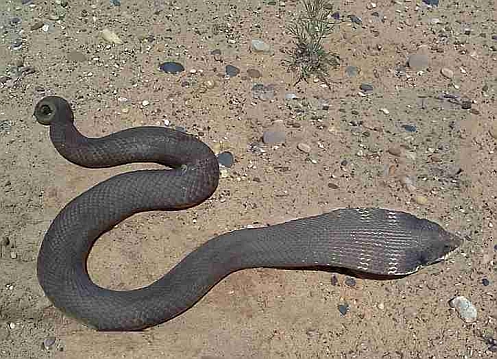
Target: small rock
(493,131)
(333,185)
(466,104)
(343,309)
(381,306)
(254,73)
(263,92)
(385,111)
(395,151)
(76,56)
(420,199)
(172,67)
(431,2)
(110,37)
(485,282)
(260,46)
(291,96)
(352,71)
(447,72)
(232,71)
(275,134)
(210,84)
(48,342)
(334,280)
(37,25)
(366,87)
(466,310)
(226,159)
(304,147)
(145,103)
(409,128)
(350,282)
(418,62)
(355,19)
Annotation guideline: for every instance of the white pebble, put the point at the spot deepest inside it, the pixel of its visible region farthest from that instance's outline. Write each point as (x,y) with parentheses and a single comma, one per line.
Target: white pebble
(385,111)
(111,37)
(145,103)
(466,310)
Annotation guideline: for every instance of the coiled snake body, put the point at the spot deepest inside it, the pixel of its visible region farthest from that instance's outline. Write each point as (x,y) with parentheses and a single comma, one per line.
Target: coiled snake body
(371,240)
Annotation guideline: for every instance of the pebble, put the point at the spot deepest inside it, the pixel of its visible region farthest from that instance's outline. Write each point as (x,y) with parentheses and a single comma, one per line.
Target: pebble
(76,56)
(420,199)
(172,67)
(275,134)
(304,147)
(418,62)
(431,2)
(254,73)
(493,131)
(145,103)
(466,104)
(210,84)
(366,87)
(226,159)
(447,72)
(385,111)
(485,282)
(37,25)
(343,309)
(334,280)
(409,128)
(355,19)
(352,71)
(263,92)
(232,71)
(381,306)
(466,310)
(110,37)
(48,342)
(291,96)
(395,151)
(350,282)
(260,46)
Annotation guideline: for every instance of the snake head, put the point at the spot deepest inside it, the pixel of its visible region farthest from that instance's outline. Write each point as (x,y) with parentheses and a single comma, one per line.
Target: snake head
(436,244)
(53,108)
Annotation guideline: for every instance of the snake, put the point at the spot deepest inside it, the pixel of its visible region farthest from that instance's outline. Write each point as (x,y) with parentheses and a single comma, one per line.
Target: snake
(369,240)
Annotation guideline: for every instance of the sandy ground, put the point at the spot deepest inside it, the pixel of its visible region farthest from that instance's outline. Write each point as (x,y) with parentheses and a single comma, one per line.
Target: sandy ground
(359,156)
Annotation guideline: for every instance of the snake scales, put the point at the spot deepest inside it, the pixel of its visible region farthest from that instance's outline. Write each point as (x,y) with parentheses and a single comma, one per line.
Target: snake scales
(371,240)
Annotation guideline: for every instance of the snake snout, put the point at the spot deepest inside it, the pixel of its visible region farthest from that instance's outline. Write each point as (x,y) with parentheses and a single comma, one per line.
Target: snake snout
(52,108)
(438,244)
(44,112)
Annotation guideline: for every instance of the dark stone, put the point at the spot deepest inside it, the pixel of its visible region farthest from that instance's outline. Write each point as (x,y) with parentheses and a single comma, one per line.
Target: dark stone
(355,19)
(336,15)
(232,71)
(172,67)
(466,104)
(431,2)
(332,185)
(343,309)
(366,87)
(334,280)
(350,282)
(409,128)
(226,159)
(485,282)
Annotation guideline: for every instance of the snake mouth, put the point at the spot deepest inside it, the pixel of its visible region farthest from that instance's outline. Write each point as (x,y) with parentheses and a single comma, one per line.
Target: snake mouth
(44,112)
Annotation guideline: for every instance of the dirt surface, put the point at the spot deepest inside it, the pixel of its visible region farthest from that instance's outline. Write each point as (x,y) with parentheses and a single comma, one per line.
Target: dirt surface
(360,153)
